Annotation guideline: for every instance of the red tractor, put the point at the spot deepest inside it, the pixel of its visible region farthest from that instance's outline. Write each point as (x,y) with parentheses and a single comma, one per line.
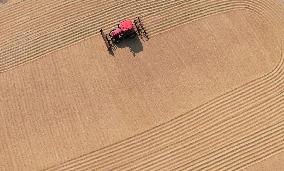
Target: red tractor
(126,29)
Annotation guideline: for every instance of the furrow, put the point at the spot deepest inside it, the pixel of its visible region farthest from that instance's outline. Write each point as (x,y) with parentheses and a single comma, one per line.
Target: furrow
(90,21)
(86,15)
(190,143)
(53,34)
(256,141)
(40,45)
(135,148)
(125,145)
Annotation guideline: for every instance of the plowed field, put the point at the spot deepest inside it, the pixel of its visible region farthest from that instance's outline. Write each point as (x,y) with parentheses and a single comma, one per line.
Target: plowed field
(206,92)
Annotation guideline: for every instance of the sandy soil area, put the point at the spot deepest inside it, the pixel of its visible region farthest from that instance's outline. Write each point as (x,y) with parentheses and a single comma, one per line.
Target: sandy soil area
(204,95)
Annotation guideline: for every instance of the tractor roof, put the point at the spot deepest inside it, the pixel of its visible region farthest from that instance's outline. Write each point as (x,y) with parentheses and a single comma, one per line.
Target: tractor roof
(126,25)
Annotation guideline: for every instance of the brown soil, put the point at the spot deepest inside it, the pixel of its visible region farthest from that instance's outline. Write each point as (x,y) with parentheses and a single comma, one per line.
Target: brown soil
(207,95)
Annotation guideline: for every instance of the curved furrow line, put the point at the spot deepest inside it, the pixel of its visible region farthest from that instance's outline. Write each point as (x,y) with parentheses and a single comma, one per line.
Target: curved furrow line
(26,9)
(223,103)
(25,15)
(181,135)
(38,33)
(170,149)
(55,22)
(68,27)
(144,168)
(184,19)
(238,153)
(257,158)
(18,6)
(6,8)
(275,10)
(40,26)
(96,165)
(84,14)
(229,148)
(85,32)
(29,7)
(232,146)
(87,14)
(184,15)
(272,145)
(124,145)
(203,139)
(41,46)
(97,20)
(176,22)
(260,137)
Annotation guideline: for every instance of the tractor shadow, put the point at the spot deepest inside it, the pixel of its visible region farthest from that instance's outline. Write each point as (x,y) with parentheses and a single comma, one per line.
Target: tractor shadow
(134,44)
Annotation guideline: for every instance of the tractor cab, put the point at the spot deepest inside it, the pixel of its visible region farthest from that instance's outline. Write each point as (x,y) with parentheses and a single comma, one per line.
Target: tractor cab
(128,29)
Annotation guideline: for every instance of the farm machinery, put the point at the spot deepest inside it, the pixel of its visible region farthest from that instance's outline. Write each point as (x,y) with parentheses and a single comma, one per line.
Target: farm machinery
(126,29)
